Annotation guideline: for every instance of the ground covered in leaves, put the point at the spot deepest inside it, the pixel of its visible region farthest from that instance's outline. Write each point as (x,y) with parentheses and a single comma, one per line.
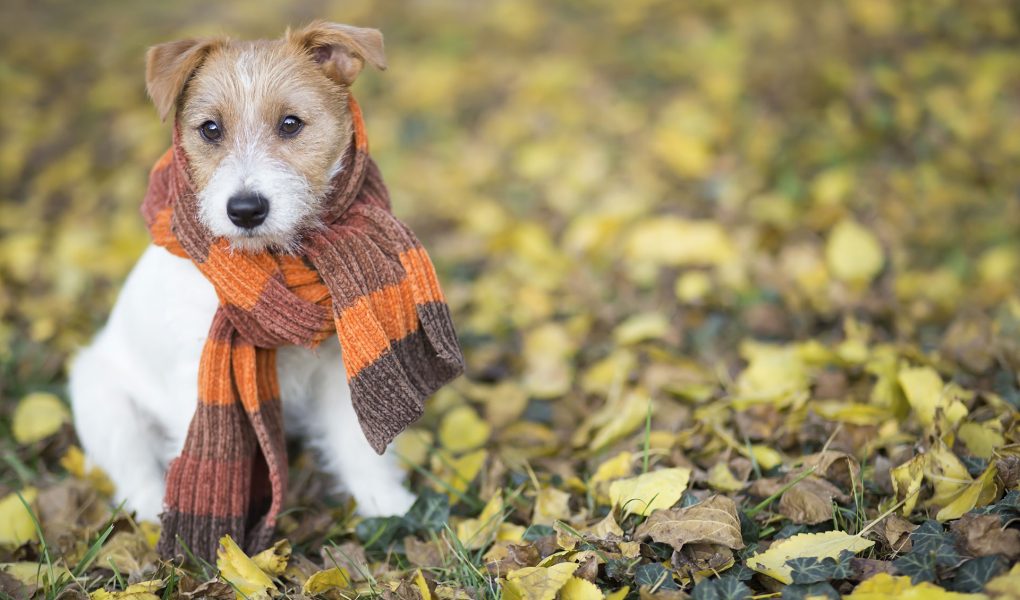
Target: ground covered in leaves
(736,284)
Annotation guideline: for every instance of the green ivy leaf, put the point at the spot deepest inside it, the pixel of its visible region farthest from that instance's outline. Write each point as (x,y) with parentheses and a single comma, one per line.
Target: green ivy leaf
(972,576)
(809,570)
(655,575)
(724,588)
(814,590)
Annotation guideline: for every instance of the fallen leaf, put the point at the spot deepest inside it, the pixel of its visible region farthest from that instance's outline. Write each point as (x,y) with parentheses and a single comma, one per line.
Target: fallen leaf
(479,532)
(461,430)
(984,535)
(925,392)
(38,416)
(649,492)
(712,521)
(537,583)
(580,589)
(273,560)
(551,505)
(810,501)
(17,524)
(853,254)
(241,571)
(888,587)
(829,544)
(334,578)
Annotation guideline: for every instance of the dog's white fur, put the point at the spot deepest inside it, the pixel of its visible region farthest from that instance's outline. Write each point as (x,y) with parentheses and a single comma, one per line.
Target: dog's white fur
(135,388)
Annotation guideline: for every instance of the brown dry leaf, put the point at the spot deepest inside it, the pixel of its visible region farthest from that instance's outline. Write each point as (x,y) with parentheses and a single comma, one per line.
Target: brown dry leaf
(810,501)
(712,521)
(421,554)
(349,556)
(127,551)
(837,467)
(504,558)
(984,535)
(895,531)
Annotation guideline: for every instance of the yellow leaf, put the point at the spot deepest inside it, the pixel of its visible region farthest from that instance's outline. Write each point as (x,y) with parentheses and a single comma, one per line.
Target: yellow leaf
(648,492)
(551,505)
(721,478)
(978,493)
(852,413)
(457,473)
(38,416)
(619,594)
(888,587)
(240,571)
(412,447)
(74,461)
(617,467)
(16,524)
(693,286)
(580,589)
(479,532)
(618,418)
(462,430)
(906,482)
(766,456)
(548,350)
(537,583)
(274,560)
(606,527)
(946,473)
(981,438)
(335,578)
(829,544)
(675,241)
(641,327)
(853,254)
(422,585)
(774,374)
(924,391)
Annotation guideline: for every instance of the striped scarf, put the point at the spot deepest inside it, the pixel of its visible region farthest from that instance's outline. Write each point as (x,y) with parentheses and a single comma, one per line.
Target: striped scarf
(364,277)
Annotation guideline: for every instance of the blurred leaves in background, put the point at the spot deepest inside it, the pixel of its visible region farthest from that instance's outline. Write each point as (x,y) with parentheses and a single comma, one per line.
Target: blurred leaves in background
(737,242)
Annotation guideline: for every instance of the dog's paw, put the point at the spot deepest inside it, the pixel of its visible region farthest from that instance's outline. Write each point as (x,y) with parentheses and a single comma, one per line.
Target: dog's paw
(384,502)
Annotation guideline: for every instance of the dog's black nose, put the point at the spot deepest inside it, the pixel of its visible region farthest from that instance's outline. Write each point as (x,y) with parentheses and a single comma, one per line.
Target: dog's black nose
(247,209)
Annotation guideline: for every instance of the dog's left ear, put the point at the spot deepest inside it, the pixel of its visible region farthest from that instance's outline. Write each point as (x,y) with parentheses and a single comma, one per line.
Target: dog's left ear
(342,50)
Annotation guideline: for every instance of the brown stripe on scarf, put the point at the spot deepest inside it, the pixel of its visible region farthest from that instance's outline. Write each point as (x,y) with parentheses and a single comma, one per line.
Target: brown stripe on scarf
(370,283)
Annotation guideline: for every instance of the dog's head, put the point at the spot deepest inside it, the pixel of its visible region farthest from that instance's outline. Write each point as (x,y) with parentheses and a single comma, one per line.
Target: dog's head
(265,124)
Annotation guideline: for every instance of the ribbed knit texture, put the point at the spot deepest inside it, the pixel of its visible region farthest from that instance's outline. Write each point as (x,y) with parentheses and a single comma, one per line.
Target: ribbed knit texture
(363,277)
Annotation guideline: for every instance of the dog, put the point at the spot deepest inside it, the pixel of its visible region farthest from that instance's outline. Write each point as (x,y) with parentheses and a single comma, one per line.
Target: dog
(265,128)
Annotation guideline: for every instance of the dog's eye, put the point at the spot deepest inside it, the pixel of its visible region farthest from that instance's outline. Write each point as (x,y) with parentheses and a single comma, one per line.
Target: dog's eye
(211,131)
(290,125)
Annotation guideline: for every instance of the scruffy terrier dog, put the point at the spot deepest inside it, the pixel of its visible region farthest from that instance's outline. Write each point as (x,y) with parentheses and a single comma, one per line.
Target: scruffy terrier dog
(266,128)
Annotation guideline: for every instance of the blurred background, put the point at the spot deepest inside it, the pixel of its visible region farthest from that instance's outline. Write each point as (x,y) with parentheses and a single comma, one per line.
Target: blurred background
(590,177)
(709,235)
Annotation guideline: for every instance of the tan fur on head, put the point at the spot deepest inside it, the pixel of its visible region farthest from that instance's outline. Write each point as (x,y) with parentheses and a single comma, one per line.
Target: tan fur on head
(248,88)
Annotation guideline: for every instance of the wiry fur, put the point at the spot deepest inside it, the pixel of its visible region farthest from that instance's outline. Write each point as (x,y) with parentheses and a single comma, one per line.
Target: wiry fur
(134,389)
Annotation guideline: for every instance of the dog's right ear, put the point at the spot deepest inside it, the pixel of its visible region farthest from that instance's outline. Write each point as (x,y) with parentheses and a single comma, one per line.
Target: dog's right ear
(168,67)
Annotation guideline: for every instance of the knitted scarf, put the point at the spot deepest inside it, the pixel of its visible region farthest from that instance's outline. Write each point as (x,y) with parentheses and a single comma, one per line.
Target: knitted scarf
(363,277)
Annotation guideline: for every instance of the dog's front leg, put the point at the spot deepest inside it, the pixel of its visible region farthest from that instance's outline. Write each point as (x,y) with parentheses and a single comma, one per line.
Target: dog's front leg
(331,427)
(114,434)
